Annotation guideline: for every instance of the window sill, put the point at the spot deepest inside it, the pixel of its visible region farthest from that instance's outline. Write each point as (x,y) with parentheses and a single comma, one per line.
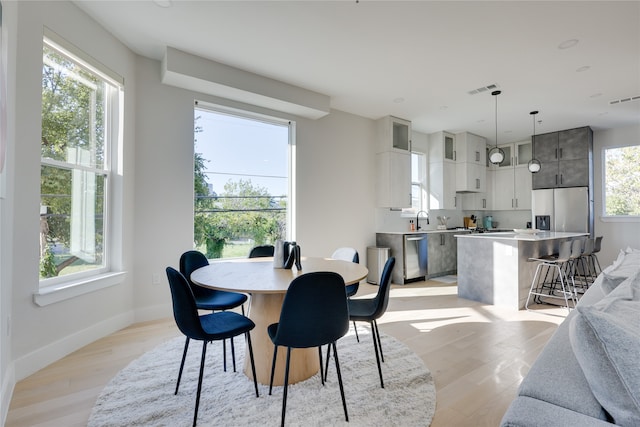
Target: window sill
(620,218)
(63,291)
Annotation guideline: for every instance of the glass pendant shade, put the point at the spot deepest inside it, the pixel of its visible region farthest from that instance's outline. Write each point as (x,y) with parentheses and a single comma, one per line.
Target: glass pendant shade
(534,164)
(496,155)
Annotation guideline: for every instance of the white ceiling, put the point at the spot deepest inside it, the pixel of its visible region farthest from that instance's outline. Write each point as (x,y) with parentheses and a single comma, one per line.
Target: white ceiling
(418,59)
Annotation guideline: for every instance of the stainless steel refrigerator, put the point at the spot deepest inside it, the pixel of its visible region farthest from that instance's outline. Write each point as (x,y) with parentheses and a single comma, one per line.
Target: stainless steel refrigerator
(563,209)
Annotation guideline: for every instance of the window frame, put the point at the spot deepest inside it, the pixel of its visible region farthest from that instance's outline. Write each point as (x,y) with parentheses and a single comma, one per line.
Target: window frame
(54,289)
(604,216)
(421,183)
(290,232)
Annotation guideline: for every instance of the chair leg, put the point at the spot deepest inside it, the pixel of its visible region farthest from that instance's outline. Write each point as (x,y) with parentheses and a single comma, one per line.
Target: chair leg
(233,354)
(224,355)
(253,365)
(375,324)
(375,347)
(326,368)
(184,356)
(322,377)
(356,331)
(286,386)
(204,352)
(344,401)
(273,367)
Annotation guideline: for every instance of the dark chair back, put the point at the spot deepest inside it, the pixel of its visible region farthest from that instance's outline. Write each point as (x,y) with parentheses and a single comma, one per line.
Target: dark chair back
(382,298)
(262,251)
(185,311)
(190,261)
(314,311)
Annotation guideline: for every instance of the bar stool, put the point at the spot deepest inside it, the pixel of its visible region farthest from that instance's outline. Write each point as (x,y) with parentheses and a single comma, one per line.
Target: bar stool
(557,266)
(585,262)
(594,258)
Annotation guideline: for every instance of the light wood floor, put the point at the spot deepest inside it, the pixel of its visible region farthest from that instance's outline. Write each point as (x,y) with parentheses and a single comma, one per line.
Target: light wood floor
(478,354)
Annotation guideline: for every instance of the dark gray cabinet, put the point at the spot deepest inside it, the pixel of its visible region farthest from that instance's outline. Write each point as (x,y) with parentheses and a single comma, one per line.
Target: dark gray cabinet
(442,254)
(566,158)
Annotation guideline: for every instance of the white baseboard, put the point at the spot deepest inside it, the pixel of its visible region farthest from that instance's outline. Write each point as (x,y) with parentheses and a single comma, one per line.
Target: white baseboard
(8,384)
(44,356)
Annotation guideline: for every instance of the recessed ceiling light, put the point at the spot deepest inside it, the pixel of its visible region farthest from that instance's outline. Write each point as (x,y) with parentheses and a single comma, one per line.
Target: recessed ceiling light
(163,3)
(596,95)
(443,107)
(583,68)
(398,100)
(568,43)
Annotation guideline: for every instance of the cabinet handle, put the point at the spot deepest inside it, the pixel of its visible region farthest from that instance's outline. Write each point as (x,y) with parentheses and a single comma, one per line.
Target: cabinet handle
(455,202)
(516,162)
(477,183)
(560,179)
(556,179)
(512,203)
(477,156)
(484,203)
(561,153)
(454,155)
(556,153)
(516,203)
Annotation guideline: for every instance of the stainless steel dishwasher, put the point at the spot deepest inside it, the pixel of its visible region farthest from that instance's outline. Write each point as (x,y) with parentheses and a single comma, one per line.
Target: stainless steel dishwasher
(415,256)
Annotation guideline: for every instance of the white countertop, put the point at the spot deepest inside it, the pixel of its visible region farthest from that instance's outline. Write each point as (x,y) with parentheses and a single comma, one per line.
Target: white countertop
(541,235)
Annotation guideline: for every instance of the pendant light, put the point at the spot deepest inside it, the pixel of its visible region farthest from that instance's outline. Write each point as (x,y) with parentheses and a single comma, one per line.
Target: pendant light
(534,165)
(496,154)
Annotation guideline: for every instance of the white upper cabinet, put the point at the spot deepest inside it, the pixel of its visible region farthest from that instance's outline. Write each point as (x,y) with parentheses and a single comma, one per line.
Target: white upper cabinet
(470,148)
(394,134)
(442,147)
(393,163)
(470,163)
(516,154)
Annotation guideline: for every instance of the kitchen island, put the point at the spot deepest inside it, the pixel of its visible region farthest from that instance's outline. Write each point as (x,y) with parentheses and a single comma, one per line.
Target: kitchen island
(494,268)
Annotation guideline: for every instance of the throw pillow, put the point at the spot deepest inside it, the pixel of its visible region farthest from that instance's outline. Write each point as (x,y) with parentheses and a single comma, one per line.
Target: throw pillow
(625,265)
(605,338)
(610,282)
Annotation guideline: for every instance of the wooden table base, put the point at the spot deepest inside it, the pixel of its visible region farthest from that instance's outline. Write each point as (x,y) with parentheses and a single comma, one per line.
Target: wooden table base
(264,309)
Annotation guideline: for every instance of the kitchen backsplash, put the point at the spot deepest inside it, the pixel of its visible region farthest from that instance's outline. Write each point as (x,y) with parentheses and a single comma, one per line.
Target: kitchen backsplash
(394,221)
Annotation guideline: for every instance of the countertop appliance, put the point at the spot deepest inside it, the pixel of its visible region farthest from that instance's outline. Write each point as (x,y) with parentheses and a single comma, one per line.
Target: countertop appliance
(562,209)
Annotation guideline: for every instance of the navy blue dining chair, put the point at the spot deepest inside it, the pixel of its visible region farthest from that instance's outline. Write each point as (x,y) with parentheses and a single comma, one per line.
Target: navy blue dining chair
(209,299)
(205,328)
(371,309)
(262,251)
(314,313)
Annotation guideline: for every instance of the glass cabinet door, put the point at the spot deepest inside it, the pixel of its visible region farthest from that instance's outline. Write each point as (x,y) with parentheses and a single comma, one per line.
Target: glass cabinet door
(449,147)
(523,153)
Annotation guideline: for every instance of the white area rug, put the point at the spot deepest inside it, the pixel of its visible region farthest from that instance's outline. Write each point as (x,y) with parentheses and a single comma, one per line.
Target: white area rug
(142,393)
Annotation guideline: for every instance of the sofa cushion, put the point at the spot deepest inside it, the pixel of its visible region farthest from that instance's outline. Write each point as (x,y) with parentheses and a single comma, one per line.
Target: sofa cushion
(605,338)
(556,376)
(529,412)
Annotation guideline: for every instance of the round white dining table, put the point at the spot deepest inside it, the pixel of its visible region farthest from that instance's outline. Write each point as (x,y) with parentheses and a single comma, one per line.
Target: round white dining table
(267,286)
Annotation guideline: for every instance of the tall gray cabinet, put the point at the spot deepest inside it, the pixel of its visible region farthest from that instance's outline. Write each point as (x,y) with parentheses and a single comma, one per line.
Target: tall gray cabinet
(566,158)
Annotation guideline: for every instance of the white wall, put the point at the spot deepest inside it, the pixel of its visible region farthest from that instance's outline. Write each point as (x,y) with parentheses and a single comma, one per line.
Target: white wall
(43,334)
(616,235)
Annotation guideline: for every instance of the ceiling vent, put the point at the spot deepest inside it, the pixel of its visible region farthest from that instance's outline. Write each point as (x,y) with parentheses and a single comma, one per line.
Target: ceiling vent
(487,88)
(620,101)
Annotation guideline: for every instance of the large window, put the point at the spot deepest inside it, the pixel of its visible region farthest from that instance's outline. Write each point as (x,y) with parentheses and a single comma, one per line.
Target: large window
(79,127)
(418,182)
(621,166)
(242,187)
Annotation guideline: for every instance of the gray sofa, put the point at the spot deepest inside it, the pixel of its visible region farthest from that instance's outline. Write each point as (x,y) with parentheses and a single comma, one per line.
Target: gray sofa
(588,374)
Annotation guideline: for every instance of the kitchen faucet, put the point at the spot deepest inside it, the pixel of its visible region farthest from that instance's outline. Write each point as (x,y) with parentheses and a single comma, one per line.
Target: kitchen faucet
(418,219)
